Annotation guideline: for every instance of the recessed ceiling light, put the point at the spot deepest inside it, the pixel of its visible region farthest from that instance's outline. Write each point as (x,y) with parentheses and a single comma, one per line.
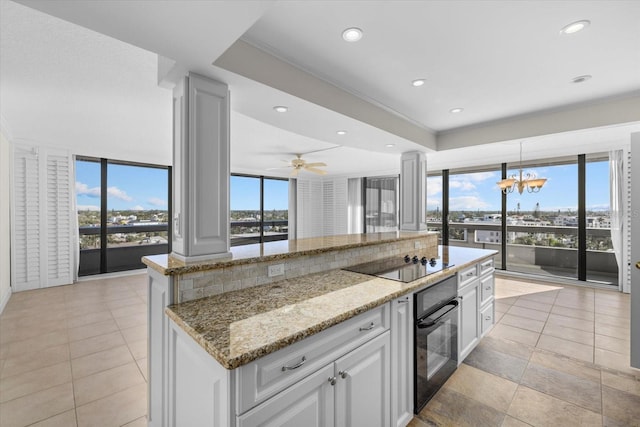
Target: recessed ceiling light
(581,79)
(418,82)
(352,34)
(390,145)
(574,27)
(456,110)
(341,132)
(281,108)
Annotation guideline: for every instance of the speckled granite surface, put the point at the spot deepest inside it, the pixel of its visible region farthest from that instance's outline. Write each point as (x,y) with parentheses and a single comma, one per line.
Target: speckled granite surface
(241,326)
(279,250)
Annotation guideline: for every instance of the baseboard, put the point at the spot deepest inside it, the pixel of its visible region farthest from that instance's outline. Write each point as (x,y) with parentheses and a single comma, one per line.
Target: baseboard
(110,275)
(5,300)
(554,280)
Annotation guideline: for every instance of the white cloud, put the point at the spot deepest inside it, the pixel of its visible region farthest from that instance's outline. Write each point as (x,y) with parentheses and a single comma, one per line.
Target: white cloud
(467,203)
(137,208)
(601,207)
(480,176)
(83,189)
(155,201)
(119,194)
(434,185)
(88,208)
(462,185)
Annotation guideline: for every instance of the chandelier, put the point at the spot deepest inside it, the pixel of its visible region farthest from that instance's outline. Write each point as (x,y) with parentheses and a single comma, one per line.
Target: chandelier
(531,183)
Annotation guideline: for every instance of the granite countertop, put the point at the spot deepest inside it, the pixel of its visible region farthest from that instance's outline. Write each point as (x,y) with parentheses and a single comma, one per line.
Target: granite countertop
(241,326)
(278,250)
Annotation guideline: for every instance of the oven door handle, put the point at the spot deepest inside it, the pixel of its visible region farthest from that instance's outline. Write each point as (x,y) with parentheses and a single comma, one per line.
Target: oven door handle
(428,322)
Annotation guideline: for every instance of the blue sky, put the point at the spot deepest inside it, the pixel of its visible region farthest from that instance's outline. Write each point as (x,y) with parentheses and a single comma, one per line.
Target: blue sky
(141,188)
(478,191)
(245,194)
(128,187)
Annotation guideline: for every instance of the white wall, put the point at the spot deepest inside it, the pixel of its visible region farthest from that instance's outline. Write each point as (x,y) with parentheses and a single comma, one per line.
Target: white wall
(5,225)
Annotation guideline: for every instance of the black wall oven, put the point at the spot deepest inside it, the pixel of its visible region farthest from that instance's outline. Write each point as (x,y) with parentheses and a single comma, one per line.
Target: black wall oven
(435,338)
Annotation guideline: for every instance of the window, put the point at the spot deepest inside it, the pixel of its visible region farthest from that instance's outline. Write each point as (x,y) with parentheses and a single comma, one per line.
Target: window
(601,265)
(123,214)
(542,228)
(259,209)
(475,206)
(381,204)
(434,204)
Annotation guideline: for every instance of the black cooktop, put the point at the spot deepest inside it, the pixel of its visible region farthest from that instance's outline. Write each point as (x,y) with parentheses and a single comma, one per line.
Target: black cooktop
(402,269)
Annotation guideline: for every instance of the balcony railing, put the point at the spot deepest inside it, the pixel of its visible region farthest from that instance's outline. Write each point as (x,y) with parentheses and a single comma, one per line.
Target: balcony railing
(540,259)
(247,232)
(122,255)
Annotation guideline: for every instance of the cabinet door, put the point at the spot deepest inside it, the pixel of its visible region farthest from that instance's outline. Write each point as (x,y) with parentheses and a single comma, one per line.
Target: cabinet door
(401,361)
(468,320)
(363,385)
(309,402)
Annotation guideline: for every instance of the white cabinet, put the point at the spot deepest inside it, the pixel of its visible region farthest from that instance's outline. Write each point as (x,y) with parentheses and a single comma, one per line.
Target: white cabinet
(309,402)
(401,361)
(476,291)
(487,296)
(350,392)
(265,377)
(362,385)
(469,332)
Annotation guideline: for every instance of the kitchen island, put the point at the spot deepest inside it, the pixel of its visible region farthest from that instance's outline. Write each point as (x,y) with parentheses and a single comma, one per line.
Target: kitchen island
(236,357)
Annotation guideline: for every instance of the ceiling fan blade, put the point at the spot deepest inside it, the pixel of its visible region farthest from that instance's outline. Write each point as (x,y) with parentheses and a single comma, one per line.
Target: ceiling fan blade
(313,165)
(295,172)
(314,170)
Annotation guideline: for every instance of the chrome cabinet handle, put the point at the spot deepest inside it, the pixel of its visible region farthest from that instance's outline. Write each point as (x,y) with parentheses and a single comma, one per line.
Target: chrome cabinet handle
(290,368)
(368,328)
(487,318)
(488,288)
(343,374)
(469,274)
(404,301)
(332,380)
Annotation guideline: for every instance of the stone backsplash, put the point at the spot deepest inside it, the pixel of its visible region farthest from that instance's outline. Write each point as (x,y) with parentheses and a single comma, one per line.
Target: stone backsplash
(191,286)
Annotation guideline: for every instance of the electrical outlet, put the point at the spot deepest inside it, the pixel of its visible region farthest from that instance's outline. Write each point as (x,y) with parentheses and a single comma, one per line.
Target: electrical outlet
(276,270)
(416,245)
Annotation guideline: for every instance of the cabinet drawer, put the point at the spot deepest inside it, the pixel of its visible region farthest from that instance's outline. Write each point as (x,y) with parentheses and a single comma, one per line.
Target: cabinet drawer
(486,292)
(263,378)
(486,267)
(486,319)
(467,276)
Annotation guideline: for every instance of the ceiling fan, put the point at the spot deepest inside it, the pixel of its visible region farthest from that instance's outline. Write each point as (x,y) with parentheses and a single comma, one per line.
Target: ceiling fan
(299,164)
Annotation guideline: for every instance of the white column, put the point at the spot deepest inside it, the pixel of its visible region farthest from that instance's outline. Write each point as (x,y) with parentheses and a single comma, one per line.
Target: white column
(200,169)
(413,189)
(635,249)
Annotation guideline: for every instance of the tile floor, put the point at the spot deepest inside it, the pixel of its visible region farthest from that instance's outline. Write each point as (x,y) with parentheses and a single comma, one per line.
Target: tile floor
(76,356)
(558,356)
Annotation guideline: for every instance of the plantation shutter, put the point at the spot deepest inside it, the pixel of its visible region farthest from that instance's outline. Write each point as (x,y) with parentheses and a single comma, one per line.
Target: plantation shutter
(26,228)
(335,208)
(322,208)
(59,248)
(42,238)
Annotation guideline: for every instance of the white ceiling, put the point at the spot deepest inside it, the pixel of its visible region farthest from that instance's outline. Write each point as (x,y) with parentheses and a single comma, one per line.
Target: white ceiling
(495,59)
(70,86)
